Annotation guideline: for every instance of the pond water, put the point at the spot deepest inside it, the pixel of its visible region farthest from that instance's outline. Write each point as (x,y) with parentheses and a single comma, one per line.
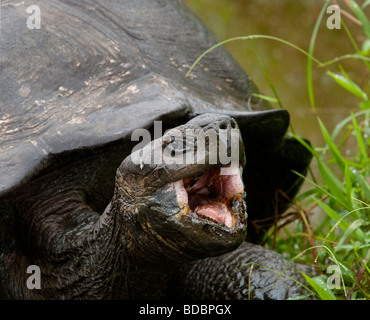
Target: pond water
(293,21)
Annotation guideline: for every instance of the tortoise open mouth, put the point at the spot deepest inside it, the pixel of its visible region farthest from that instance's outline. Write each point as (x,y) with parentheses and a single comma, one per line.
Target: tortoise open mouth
(214,197)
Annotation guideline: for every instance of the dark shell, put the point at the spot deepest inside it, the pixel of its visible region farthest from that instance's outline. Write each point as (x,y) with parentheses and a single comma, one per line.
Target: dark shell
(97,70)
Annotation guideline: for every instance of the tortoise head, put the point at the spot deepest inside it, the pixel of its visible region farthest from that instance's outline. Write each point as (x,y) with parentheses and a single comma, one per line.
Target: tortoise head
(186,187)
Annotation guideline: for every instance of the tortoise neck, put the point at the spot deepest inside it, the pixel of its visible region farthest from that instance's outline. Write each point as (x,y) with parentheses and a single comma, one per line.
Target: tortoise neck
(145,263)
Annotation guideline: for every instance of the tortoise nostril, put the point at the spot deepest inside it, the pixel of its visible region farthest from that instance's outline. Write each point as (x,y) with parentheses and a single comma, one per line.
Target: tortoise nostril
(227,124)
(223,125)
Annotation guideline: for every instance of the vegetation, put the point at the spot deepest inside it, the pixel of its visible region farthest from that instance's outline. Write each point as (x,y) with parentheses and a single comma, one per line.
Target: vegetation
(338,247)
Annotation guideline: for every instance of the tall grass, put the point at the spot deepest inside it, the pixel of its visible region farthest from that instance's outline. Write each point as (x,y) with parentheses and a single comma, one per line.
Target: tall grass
(339,245)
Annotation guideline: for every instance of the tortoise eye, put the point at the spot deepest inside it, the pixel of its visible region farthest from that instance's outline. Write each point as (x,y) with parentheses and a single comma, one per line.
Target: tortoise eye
(177,144)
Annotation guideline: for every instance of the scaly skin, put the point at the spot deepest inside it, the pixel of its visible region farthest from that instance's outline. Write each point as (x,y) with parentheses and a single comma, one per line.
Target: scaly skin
(249,272)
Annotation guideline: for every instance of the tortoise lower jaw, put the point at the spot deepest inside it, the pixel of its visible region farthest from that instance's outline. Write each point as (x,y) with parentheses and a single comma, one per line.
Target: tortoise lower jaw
(214,198)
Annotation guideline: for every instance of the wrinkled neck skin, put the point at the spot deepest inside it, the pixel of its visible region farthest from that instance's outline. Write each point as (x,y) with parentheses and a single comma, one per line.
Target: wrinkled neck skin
(147,262)
(107,256)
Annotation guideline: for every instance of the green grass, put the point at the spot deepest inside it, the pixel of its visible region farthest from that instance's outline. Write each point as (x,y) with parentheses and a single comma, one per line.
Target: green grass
(342,239)
(340,191)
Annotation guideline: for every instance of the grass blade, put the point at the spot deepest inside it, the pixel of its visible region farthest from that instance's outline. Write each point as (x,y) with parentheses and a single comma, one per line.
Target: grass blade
(349,85)
(344,57)
(324,191)
(267,77)
(333,148)
(310,51)
(320,287)
(365,4)
(353,227)
(343,224)
(256,36)
(360,14)
(335,188)
(267,98)
(360,140)
(333,184)
(339,127)
(363,184)
(348,182)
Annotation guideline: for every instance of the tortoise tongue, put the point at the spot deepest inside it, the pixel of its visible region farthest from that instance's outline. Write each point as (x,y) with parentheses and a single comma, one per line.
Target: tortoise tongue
(216,211)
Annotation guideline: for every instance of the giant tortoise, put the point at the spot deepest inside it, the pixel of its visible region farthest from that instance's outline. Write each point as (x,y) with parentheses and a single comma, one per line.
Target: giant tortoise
(75,202)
